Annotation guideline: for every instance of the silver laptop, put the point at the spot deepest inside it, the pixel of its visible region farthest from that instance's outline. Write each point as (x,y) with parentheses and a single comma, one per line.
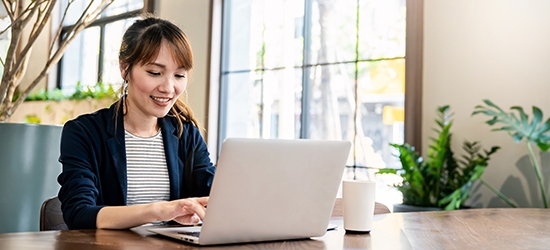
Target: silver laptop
(268,190)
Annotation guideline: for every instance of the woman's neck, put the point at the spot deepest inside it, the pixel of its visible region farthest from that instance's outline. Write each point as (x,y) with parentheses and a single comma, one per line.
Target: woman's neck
(141,127)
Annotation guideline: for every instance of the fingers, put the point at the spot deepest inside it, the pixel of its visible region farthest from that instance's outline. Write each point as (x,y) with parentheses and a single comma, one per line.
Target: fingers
(187,219)
(190,210)
(197,208)
(193,210)
(203,200)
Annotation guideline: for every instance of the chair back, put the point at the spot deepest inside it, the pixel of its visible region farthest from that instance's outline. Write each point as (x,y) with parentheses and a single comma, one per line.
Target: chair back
(51,217)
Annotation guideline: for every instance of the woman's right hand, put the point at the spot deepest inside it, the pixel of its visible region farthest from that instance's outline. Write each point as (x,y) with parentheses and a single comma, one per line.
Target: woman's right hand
(183,211)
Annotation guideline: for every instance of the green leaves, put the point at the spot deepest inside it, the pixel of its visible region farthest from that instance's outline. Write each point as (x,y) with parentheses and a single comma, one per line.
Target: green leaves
(518,126)
(413,172)
(440,180)
(474,164)
(42,95)
(517,123)
(98,91)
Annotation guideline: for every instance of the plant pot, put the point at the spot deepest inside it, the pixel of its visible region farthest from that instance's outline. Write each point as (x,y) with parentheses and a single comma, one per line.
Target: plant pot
(400,208)
(28,173)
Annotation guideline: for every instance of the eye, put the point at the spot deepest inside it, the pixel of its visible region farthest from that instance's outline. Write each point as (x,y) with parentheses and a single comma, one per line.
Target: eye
(180,76)
(153,73)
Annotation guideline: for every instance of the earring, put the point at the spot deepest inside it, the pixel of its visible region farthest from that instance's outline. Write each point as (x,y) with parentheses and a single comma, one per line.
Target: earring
(125,86)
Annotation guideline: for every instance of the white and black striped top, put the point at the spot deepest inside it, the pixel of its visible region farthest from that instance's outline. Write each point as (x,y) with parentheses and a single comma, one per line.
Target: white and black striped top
(147,170)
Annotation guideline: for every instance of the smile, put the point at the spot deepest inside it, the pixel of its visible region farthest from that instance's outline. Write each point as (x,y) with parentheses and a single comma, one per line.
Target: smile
(160,99)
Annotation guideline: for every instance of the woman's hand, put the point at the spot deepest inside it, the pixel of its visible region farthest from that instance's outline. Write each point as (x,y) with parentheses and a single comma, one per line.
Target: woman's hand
(183,211)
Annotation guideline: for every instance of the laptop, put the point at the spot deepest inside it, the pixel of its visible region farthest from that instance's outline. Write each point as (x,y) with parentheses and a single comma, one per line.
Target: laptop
(269,190)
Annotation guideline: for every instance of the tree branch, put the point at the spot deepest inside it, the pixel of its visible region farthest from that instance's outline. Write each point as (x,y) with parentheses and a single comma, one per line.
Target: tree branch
(59,29)
(71,31)
(26,15)
(37,29)
(18,25)
(8,10)
(86,19)
(41,16)
(14,18)
(17,61)
(23,95)
(7,78)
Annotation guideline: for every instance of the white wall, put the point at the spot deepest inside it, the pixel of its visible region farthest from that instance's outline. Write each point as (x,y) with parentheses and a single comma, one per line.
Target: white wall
(489,49)
(193,17)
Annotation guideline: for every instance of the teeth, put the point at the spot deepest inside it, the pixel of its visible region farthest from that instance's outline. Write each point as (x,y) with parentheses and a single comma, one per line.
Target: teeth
(160,99)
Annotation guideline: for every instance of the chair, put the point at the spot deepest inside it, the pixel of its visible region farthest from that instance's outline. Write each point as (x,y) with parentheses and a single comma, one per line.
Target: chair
(379,208)
(51,217)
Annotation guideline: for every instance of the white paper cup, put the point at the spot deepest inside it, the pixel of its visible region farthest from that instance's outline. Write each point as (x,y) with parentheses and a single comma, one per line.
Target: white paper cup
(358,202)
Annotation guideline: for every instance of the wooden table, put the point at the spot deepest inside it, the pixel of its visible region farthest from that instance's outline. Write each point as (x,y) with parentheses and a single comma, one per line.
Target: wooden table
(506,228)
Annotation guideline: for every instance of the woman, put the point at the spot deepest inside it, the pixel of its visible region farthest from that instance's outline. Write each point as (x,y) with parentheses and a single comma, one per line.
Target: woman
(140,160)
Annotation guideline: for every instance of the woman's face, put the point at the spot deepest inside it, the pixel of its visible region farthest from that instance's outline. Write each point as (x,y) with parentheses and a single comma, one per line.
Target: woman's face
(154,87)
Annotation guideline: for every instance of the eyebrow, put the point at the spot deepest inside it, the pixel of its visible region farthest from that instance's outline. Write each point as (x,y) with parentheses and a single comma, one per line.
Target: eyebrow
(162,65)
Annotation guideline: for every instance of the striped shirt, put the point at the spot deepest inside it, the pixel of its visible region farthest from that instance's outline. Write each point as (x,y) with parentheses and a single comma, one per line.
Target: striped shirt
(146,168)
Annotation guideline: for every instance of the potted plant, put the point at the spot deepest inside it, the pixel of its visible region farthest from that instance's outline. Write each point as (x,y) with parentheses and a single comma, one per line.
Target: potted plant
(535,132)
(29,152)
(440,180)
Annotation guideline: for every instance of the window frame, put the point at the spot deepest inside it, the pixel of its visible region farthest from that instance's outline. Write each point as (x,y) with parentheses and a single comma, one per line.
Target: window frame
(148,7)
(413,72)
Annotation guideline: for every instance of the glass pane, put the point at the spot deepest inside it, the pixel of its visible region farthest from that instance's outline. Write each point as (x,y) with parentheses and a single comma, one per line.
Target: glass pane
(122,6)
(382,29)
(113,37)
(242,34)
(283,34)
(332,103)
(281,101)
(262,34)
(240,105)
(262,106)
(380,118)
(77,7)
(333,31)
(80,61)
(75,10)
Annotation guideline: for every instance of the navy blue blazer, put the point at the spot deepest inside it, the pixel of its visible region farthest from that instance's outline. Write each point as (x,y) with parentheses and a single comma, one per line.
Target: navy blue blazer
(93,155)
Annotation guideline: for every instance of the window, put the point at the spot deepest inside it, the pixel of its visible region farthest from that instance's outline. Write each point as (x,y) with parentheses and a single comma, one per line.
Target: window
(92,56)
(317,69)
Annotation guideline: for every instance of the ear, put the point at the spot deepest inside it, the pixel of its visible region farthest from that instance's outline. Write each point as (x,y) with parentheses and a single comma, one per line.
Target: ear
(123,69)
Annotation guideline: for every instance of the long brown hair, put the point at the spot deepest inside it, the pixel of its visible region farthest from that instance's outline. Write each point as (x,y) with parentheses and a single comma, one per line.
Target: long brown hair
(141,44)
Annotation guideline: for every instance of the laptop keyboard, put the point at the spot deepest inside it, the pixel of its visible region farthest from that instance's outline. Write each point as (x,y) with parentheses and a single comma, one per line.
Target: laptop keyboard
(194,233)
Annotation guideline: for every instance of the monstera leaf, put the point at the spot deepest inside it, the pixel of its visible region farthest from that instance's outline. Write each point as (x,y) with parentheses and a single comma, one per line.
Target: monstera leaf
(519,127)
(517,124)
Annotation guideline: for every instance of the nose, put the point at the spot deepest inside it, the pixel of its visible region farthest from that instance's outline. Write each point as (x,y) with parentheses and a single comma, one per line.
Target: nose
(167,85)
